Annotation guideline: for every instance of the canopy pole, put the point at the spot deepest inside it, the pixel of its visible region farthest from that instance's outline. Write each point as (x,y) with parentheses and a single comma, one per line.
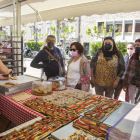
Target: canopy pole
(18,18)
(57,32)
(14,16)
(18,29)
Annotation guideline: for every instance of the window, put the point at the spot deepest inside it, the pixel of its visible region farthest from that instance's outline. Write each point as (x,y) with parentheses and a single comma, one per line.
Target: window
(137,27)
(100,26)
(128,26)
(119,25)
(108,24)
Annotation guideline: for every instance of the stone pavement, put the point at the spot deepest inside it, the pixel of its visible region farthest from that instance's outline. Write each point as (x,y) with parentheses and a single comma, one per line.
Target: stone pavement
(37,72)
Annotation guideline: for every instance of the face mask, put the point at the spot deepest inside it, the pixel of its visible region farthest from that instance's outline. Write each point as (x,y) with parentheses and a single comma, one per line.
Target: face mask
(50,44)
(130,52)
(108,47)
(137,49)
(74,53)
(59,48)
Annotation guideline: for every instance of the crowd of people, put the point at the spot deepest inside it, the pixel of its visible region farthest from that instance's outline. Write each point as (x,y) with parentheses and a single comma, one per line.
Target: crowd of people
(109,72)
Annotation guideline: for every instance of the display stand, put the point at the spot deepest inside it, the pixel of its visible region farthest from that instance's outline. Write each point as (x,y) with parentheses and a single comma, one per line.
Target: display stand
(13,54)
(128,126)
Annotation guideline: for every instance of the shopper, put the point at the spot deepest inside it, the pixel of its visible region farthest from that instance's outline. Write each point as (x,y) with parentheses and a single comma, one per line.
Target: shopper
(51,58)
(107,68)
(130,51)
(4,70)
(78,71)
(132,75)
(44,44)
(62,50)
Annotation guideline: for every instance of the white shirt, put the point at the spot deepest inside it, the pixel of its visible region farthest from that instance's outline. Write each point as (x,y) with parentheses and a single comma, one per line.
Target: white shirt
(73,75)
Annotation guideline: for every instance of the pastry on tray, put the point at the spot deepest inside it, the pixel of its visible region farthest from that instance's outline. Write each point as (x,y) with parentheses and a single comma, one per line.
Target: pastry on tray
(81,135)
(53,110)
(36,131)
(94,128)
(64,101)
(9,84)
(104,109)
(41,90)
(55,85)
(53,96)
(85,104)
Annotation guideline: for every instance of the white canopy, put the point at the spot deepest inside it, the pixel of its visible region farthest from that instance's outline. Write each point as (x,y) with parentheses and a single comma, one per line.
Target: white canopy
(59,9)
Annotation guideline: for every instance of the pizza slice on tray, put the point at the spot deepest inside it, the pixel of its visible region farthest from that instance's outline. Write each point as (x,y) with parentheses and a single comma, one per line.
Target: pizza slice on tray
(103,110)
(53,110)
(36,131)
(94,128)
(85,104)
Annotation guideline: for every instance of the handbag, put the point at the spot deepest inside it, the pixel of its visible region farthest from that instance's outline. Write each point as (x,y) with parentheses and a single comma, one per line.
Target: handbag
(61,69)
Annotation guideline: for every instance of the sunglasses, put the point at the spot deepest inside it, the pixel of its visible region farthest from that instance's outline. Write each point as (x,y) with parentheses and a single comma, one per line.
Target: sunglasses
(137,44)
(73,50)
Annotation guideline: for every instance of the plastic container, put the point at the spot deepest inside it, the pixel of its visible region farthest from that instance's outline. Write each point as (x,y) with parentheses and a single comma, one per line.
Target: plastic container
(58,83)
(41,88)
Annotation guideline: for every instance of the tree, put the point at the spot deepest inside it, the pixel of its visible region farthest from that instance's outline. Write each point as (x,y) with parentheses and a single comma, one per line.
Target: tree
(53,29)
(23,32)
(40,36)
(64,32)
(101,33)
(1,33)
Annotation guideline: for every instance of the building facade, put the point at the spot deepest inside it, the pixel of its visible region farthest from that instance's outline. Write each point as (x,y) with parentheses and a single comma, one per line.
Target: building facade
(128,24)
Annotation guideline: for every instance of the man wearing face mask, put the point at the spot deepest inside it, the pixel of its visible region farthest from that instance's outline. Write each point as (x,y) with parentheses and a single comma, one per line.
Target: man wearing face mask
(51,59)
(130,51)
(132,75)
(107,68)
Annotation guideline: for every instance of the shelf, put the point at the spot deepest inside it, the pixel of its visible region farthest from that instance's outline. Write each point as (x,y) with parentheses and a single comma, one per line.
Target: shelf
(13,41)
(9,54)
(10,48)
(9,60)
(17,72)
(11,66)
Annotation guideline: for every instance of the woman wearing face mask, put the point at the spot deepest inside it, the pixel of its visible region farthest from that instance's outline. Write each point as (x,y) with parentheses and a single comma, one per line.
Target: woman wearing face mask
(132,75)
(130,51)
(107,68)
(78,70)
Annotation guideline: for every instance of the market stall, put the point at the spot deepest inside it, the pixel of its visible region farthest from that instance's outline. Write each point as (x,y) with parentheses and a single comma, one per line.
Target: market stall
(67,113)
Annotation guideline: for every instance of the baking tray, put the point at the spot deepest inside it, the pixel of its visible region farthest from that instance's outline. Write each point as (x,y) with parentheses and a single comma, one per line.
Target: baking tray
(114,117)
(20,126)
(64,132)
(25,82)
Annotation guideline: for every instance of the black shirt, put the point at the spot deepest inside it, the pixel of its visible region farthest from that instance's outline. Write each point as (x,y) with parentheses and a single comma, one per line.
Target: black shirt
(51,67)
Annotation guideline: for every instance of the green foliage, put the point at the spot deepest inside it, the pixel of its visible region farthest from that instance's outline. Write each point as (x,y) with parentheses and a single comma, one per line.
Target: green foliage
(40,36)
(94,47)
(122,47)
(1,33)
(32,45)
(23,32)
(53,29)
(102,32)
(65,32)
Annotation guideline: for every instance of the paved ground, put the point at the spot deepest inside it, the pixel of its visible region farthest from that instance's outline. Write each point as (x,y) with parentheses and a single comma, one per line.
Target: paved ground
(37,73)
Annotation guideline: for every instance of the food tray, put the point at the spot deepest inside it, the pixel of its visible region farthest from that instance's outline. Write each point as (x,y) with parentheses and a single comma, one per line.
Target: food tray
(64,132)
(20,126)
(24,82)
(115,116)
